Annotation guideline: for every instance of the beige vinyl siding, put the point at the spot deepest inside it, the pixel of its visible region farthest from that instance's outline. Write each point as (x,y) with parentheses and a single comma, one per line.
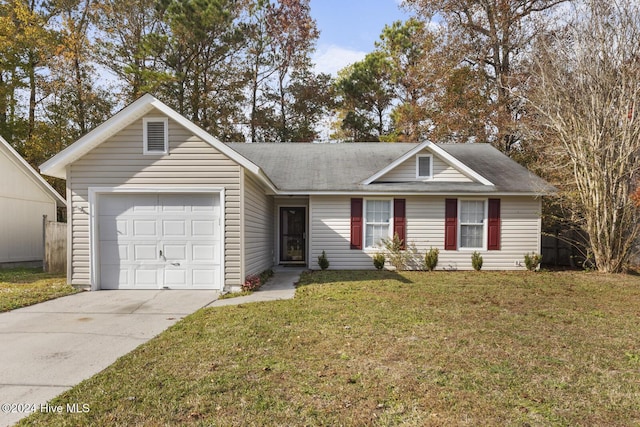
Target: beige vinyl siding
(519,233)
(23,202)
(258,227)
(119,162)
(406,172)
(331,231)
(330,219)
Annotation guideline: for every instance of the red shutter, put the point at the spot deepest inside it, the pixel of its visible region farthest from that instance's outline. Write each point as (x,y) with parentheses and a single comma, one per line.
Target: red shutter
(356,223)
(400,220)
(451,224)
(493,242)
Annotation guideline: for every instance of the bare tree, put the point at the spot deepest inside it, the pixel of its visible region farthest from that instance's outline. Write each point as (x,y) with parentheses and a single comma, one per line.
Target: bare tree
(588,88)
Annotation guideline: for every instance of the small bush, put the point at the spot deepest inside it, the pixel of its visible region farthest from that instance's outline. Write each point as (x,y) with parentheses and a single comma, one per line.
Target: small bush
(378,260)
(431,259)
(476,261)
(252,283)
(398,257)
(323,262)
(532,261)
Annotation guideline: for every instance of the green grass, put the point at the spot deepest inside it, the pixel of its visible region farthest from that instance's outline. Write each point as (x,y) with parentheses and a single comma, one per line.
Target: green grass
(382,349)
(20,287)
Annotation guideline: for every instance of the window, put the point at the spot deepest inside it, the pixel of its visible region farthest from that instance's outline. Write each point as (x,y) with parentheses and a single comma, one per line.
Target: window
(377,221)
(472,214)
(423,166)
(155,135)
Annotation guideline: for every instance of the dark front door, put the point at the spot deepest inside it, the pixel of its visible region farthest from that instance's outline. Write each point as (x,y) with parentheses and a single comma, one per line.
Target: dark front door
(293,233)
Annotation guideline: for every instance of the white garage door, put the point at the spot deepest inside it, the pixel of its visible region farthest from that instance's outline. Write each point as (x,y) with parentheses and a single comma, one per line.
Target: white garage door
(151,241)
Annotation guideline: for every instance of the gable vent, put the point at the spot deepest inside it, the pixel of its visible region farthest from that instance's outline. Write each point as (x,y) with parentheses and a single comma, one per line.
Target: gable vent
(155,136)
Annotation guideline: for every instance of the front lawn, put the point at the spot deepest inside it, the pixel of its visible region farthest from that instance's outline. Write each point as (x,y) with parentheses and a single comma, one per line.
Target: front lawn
(379,348)
(20,287)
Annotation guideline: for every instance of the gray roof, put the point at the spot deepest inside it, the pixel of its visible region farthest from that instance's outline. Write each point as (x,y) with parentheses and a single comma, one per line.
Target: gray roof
(303,167)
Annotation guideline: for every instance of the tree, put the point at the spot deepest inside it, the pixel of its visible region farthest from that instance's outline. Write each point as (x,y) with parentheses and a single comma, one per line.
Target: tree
(588,88)
(405,46)
(366,97)
(124,27)
(493,35)
(196,57)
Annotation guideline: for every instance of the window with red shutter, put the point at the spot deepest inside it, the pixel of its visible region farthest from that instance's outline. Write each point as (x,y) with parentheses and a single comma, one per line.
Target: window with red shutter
(493,233)
(399,220)
(451,224)
(356,223)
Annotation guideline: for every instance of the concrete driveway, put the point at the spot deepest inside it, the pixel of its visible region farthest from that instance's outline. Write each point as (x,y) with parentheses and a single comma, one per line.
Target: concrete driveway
(50,347)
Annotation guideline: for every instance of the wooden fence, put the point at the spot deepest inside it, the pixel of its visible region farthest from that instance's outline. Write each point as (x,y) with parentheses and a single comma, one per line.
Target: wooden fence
(55,246)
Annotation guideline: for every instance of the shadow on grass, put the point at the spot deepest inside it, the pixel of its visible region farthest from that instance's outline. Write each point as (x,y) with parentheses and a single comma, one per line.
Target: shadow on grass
(331,276)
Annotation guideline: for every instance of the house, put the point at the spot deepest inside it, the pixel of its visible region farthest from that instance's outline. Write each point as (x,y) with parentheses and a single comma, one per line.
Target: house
(155,201)
(24,198)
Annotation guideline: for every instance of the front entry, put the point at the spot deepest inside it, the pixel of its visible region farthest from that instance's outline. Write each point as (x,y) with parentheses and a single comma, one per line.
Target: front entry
(293,233)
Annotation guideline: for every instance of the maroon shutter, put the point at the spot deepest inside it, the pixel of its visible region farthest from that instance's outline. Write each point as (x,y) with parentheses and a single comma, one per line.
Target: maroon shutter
(356,223)
(493,238)
(451,224)
(400,220)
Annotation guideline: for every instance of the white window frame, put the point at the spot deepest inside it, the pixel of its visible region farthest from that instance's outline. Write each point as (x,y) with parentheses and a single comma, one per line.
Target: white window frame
(365,221)
(485,221)
(145,123)
(418,157)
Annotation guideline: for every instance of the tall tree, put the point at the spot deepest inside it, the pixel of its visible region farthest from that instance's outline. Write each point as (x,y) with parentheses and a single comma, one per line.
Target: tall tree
(123,29)
(196,61)
(366,97)
(588,89)
(405,46)
(494,35)
(294,33)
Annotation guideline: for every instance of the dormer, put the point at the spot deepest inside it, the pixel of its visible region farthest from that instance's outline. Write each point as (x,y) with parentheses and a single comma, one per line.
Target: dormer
(426,163)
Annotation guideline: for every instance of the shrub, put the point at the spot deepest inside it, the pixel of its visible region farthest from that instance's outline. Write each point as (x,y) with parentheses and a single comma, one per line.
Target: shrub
(323,262)
(398,257)
(378,260)
(431,259)
(476,260)
(532,261)
(252,283)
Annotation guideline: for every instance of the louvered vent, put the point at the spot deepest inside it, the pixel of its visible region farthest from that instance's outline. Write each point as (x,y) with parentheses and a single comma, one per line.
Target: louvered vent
(156,137)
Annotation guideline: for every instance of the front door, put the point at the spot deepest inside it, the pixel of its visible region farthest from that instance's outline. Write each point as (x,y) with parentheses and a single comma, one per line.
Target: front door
(293,233)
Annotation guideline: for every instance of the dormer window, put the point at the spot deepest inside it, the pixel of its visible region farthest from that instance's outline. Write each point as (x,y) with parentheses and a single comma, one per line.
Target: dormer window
(424,166)
(155,135)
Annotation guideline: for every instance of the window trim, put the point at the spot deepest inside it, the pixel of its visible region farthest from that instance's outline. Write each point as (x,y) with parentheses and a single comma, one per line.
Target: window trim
(485,222)
(145,123)
(424,177)
(365,223)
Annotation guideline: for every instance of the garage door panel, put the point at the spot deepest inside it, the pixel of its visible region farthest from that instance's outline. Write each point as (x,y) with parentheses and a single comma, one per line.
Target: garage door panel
(175,252)
(204,253)
(145,252)
(113,253)
(146,276)
(134,228)
(203,228)
(112,228)
(201,277)
(114,277)
(174,228)
(145,228)
(176,278)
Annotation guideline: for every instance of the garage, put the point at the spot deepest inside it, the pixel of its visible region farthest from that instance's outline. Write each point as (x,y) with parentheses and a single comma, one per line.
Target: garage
(159,240)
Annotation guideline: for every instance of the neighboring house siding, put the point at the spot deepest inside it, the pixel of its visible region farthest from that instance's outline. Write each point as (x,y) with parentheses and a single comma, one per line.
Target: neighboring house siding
(406,172)
(258,228)
(119,162)
(520,233)
(22,204)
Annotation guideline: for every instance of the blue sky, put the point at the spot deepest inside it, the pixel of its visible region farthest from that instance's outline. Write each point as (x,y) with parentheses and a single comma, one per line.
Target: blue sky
(349,29)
